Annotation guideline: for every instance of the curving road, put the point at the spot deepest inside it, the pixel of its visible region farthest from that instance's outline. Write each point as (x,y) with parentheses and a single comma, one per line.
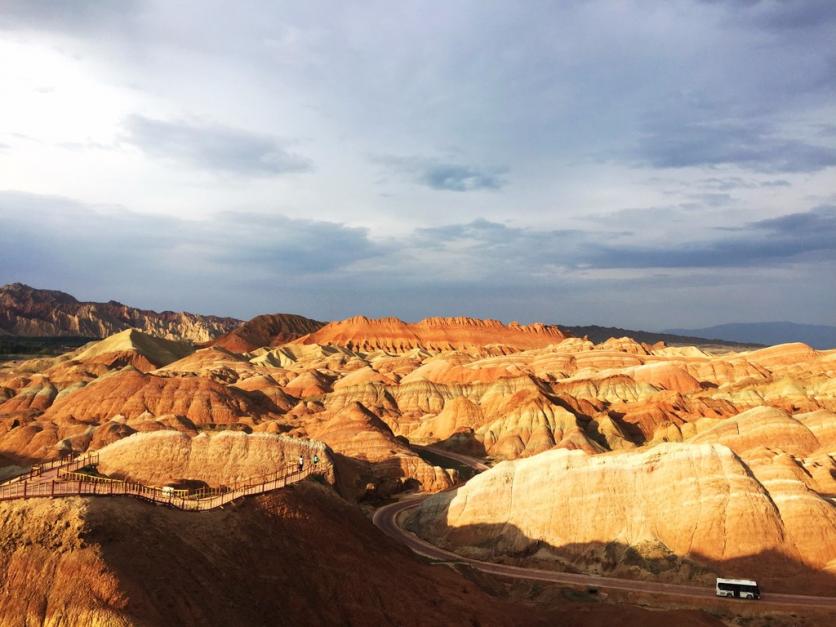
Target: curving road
(467,460)
(386,519)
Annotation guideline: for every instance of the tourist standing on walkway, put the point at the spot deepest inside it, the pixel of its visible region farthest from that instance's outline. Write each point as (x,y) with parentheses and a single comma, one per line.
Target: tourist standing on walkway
(301,463)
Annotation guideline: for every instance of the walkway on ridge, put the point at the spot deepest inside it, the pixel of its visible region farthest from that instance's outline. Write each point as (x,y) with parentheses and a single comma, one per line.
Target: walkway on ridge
(59,478)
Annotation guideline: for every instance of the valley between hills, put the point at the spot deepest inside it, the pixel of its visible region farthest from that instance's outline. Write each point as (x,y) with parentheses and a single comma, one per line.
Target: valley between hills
(620,459)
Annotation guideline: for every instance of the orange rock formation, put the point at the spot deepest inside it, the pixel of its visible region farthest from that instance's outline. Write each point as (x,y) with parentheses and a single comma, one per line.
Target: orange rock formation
(371,387)
(697,502)
(267,330)
(435,334)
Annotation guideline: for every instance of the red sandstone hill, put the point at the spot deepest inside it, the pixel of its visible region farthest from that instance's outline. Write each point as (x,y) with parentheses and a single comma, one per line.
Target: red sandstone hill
(28,311)
(267,330)
(434,334)
(131,393)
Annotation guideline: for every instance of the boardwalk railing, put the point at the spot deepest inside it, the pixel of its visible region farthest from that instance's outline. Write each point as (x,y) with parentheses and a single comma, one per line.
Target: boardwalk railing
(39,469)
(69,482)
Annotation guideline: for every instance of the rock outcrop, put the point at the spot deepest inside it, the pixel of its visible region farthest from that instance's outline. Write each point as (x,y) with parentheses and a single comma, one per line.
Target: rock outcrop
(433,334)
(290,557)
(267,330)
(219,459)
(133,348)
(698,503)
(379,463)
(32,312)
(131,393)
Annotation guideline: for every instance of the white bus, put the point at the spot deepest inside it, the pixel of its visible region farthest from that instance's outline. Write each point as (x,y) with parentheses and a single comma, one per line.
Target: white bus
(737,588)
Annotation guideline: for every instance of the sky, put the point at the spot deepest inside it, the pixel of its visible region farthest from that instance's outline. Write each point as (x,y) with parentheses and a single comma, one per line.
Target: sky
(631,163)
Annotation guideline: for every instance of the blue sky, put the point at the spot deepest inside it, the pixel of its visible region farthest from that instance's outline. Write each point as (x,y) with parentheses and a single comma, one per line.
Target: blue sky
(629,163)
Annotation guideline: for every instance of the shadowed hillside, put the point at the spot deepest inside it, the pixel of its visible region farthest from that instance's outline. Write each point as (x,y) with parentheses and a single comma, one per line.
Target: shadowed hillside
(27,311)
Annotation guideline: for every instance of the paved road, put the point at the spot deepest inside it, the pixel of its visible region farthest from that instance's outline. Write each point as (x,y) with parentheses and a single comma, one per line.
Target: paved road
(467,460)
(386,519)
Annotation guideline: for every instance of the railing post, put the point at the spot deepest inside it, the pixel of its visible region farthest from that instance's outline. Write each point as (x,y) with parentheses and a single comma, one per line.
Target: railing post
(52,489)
(24,488)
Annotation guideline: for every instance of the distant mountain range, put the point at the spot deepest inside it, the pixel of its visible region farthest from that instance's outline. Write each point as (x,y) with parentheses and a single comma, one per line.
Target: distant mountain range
(816,335)
(599,334)
(29,312)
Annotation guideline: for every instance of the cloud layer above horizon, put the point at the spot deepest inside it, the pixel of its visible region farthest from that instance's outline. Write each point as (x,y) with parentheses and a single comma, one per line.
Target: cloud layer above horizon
(612,163)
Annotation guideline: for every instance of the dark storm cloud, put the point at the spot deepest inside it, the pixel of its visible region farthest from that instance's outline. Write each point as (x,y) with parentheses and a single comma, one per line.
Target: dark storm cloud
(816,228)
(242,264)
(779,240)
(213,147)
(503,243)
(788,15)
(67,15)
(779,15)
(276,241)
(59,236)
(447,176)
(458,178)
(810,235)
(745,144)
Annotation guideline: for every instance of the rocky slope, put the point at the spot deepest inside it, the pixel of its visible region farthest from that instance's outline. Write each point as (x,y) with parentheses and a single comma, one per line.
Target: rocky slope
(290,557)
(488,400)
(373,461)
(675,511)
(32,312)
(107,391)
(131,347)
(286,558)
(132,394)
(628,458)
(433,334)
(267,330)
(218,460)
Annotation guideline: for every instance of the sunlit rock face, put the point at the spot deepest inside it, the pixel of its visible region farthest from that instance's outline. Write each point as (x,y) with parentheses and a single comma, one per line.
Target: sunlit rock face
(634,497)
(220,459)
(131,393)
(697,502)
(434,334)
(374,458)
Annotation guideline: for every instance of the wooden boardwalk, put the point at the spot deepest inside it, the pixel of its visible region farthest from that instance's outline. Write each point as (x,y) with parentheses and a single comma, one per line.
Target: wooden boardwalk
(61,478)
